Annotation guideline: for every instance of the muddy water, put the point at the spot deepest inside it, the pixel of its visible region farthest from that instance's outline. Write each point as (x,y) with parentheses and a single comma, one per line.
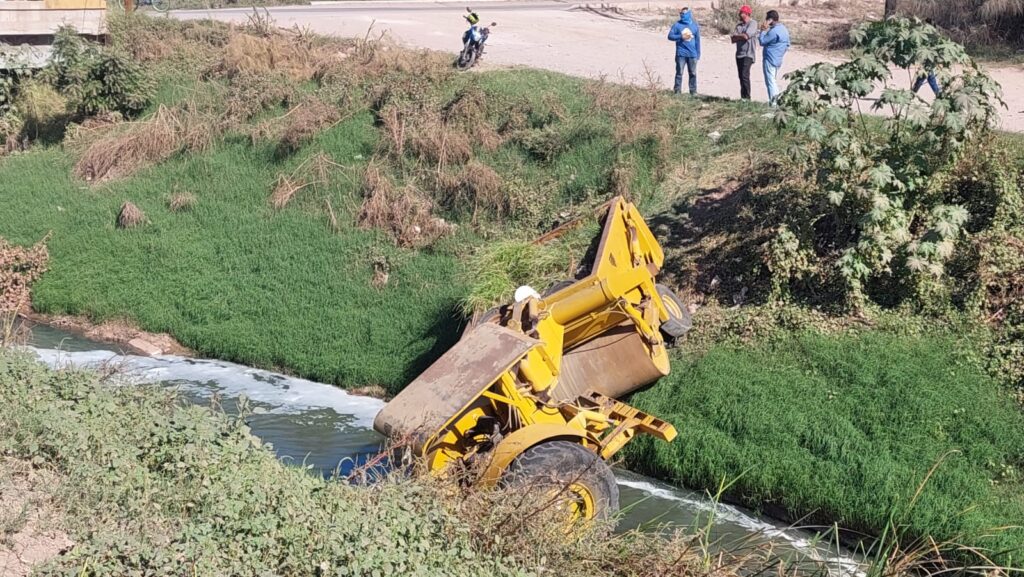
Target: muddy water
(324,427)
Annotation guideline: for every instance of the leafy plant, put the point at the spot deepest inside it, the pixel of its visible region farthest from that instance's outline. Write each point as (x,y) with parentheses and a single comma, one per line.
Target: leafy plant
(880,188)
(96,79)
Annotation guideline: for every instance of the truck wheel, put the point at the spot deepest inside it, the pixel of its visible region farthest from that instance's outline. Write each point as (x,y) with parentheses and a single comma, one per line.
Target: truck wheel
(679,321)
(488,317)
(556,287)
(576,478)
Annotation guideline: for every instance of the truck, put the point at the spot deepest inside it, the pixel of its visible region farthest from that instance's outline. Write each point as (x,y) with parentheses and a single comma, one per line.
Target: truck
(531,393)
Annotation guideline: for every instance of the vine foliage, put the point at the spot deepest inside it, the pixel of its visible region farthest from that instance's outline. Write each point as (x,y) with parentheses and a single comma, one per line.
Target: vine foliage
(881,181)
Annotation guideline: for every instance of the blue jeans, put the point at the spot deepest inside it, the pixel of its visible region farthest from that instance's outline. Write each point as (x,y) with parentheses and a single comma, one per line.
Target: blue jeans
(932,82)
(691,70)
(771,74)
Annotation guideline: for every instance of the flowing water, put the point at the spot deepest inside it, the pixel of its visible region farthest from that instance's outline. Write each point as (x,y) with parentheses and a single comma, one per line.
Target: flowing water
(323,426)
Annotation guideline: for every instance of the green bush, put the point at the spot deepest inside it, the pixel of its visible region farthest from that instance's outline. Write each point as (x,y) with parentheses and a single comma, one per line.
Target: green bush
(882,215)
(96,79)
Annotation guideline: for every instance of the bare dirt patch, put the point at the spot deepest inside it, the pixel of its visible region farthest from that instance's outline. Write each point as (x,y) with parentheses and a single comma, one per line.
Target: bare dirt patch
(116,331)
(31,530)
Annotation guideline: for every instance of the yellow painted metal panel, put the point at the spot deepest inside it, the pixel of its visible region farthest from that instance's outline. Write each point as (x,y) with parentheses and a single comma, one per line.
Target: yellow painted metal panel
(75,4)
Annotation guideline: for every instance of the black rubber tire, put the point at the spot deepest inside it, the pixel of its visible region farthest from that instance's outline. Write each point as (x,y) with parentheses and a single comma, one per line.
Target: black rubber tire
(161,5)
(680,322)
(557,464)
(477,320)
(556,287)
(466,59)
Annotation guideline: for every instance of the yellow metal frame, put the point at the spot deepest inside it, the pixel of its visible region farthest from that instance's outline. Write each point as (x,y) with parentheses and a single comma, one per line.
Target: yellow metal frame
(518,401)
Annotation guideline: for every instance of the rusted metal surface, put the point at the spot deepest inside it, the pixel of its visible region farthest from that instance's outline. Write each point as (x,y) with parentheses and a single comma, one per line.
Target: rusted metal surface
(614,364)
(452,382)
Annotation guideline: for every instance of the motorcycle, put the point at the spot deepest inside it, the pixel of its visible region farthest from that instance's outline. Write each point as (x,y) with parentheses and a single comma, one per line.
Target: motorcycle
(471,50)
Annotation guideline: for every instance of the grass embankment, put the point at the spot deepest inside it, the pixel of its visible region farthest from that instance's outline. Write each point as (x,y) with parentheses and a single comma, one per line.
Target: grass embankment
(274,237)
(273,262)
(846,430)
(146,484)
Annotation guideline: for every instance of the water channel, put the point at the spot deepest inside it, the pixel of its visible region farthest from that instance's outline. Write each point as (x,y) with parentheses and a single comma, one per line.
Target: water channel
(321,425)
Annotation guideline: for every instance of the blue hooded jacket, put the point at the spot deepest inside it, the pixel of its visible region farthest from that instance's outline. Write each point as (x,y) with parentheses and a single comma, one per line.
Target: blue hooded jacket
(686,48)
(775,42)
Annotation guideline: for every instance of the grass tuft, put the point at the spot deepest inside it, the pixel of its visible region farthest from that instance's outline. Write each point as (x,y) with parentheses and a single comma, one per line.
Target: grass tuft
(182,202)
(130,216)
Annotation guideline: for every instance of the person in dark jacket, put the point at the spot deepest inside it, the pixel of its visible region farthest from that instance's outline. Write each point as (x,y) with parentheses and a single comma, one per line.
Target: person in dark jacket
(745,39)
(686,35)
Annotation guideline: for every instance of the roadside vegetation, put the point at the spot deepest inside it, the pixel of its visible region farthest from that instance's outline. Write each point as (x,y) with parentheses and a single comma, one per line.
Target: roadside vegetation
(337,208)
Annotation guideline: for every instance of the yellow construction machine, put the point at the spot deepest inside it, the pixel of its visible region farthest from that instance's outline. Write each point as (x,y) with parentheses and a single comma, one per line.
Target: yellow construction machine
(529,394)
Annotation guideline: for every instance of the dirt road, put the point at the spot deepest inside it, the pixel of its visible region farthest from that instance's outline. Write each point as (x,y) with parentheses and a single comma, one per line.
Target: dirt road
(562,37)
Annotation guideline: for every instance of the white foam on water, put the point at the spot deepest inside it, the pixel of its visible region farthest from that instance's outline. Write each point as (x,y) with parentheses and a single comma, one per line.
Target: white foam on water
(838,565)
(284,394)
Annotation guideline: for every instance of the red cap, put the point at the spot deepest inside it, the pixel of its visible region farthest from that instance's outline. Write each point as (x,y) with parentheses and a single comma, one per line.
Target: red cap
(746,10)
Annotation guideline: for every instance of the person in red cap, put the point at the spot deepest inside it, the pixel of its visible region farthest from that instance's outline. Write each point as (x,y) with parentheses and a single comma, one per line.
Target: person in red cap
(746,49)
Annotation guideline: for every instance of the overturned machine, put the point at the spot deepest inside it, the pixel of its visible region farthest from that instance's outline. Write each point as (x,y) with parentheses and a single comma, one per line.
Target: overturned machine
(530,392)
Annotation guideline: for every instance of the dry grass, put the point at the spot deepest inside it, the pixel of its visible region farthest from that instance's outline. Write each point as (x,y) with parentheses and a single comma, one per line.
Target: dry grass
(19,268)
(474,188)
(434,142)
(316,171)
(251,93)
(277,53)
(381,273)
(130,216)
(43,109)
(973,22)
(405,214)
(285,189)
(186,44)
(182,202)
(305,122)
(423,133)
(132,146)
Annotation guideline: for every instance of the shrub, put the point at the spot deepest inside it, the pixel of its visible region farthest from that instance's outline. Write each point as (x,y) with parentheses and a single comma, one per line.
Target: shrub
(725,15)
(96,79)
(886,216)
(43,110)
(19,268)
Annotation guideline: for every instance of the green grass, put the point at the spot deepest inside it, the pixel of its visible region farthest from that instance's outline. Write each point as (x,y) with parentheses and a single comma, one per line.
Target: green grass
(233,278)
(237,280)
(844,429)
(839,428)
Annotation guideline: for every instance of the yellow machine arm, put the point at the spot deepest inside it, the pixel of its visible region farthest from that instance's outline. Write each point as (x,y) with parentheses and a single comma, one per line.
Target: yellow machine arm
(550,368)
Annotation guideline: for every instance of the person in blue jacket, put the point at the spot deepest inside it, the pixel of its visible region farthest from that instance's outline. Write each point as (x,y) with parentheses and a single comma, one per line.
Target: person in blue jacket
(774,39)
(686,35)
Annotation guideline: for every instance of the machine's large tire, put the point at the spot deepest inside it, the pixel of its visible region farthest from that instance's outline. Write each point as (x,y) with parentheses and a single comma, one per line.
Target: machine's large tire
(490,316)
(680,321)
(574,477)
(557,286)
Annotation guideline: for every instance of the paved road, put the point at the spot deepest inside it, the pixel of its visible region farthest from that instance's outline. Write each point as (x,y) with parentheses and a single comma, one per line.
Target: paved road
(558,36)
